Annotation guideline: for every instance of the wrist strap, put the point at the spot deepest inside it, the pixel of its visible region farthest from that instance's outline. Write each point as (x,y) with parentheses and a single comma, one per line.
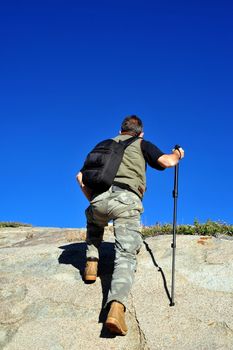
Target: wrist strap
(177,148)
(179,153)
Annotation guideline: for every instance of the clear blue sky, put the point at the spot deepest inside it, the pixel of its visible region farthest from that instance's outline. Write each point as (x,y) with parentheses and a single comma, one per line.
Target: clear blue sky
(72,70)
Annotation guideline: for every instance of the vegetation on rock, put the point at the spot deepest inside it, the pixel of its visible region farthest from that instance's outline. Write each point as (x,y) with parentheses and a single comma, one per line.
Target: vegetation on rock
(209,228)
(13,224)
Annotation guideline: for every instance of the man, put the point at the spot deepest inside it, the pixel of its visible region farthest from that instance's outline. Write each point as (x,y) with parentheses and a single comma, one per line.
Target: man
(122,203)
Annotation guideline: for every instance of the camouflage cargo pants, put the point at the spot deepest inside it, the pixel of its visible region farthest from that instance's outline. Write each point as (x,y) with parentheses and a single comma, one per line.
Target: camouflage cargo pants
(124,208)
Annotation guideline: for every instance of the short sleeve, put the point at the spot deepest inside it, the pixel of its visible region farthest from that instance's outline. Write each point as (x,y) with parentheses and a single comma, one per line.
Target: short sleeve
(151,154)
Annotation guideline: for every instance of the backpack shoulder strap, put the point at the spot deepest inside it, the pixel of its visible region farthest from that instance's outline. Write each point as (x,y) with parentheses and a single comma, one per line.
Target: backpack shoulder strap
(128,142)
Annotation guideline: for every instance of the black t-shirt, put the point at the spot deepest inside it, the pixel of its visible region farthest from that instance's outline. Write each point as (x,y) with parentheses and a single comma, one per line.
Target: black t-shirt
(151,154)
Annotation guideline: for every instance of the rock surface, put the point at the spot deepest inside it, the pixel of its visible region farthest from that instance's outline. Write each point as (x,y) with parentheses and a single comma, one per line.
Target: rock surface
(45,304)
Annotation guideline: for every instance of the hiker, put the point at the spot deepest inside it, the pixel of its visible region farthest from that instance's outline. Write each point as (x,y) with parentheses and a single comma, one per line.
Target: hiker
(122,203)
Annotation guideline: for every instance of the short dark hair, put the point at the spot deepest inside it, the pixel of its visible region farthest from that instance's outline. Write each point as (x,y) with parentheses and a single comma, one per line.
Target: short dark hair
(132,125)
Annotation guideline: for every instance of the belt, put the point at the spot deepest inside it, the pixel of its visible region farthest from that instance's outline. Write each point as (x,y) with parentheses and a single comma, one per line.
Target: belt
(117,186)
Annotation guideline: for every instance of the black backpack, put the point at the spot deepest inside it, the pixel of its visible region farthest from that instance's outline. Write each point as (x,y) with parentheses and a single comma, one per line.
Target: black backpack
(102,164)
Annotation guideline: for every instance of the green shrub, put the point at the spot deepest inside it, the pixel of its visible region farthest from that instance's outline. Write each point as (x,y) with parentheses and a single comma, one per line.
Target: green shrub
(13,224)
(209,228)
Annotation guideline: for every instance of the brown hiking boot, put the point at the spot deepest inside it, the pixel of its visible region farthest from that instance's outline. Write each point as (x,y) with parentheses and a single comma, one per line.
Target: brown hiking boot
(116,319)
(91,268)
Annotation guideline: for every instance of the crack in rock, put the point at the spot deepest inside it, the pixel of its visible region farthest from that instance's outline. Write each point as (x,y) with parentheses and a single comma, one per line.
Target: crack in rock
(6,335)
(222,325)
(142,337)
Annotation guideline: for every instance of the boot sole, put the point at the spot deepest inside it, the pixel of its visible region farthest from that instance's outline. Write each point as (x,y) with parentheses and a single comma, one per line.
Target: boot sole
(90,278)
(114,327)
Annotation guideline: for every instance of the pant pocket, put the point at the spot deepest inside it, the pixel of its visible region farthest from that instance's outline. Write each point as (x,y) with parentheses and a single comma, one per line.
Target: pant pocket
(130,200)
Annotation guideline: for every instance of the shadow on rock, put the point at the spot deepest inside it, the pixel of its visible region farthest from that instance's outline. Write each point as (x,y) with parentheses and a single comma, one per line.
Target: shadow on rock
(159,270)
(75,255)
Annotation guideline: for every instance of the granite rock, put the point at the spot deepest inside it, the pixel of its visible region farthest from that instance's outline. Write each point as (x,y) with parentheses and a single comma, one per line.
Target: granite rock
(46,305)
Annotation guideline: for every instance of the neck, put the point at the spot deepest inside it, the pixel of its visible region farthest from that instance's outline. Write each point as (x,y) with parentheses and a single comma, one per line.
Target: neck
(128,133)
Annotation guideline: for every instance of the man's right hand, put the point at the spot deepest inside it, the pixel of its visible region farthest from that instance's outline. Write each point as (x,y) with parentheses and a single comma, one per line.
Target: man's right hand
(86,191)
(170,160)
(179,151)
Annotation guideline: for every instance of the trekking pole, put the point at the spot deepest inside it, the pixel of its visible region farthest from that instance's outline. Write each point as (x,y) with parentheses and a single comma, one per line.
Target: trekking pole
(173,245)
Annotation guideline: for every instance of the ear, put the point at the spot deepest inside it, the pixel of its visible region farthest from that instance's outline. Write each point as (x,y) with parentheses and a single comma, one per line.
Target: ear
(141,134)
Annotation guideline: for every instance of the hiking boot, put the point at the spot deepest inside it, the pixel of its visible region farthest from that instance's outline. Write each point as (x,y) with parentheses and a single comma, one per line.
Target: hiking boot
(91,268)
(115,322)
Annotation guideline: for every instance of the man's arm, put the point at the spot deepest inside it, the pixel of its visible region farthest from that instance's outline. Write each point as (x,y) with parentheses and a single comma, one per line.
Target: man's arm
(87,191)
(157,159)
(170,160)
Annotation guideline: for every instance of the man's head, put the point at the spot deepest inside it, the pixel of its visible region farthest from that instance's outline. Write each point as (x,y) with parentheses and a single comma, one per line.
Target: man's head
(132,125)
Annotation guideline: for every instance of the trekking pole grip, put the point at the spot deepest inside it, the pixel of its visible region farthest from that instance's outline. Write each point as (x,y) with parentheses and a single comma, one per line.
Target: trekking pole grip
(176,147)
